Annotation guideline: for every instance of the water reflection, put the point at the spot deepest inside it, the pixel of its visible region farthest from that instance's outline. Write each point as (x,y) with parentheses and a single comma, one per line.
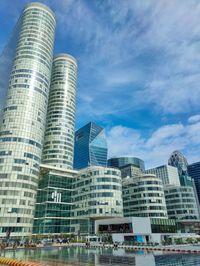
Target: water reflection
(102,257)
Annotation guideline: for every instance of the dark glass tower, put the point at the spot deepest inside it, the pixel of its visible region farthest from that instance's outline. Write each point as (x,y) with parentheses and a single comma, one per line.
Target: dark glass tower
(194,172)
(90,146)
(119,162)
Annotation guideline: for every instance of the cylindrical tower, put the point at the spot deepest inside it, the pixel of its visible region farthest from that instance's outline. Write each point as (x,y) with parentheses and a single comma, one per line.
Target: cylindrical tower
(59,135)
(24,117)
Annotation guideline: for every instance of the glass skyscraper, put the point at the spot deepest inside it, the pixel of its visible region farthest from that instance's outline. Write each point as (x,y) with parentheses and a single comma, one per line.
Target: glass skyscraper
(23,119)
(90,146)
(59,134)
(194,172)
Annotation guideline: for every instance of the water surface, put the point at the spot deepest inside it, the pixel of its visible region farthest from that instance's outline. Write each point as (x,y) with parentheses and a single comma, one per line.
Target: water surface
(80,256)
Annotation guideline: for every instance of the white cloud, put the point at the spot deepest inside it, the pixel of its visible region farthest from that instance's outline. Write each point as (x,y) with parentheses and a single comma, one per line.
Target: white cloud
(156,149)
(154,43)
(194,119)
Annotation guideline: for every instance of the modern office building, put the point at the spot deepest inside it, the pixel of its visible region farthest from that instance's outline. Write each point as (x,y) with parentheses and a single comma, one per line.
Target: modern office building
(122,161)
(130,170)
(24,117)
(90,146)
(97,195)
(167,173)
(144,196)
(194,172)
(53,206)
(59,134)
(69,201)
(181,202)
(178,160)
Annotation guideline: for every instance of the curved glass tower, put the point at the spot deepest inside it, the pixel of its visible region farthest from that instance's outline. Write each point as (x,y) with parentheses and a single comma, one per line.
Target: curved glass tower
(24,117)
(59,135)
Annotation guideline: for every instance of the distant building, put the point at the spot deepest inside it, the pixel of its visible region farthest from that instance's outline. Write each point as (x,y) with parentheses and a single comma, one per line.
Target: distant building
(130,170)
(194,172)
(90,146)
(167,173)
(122,161)
(178,160)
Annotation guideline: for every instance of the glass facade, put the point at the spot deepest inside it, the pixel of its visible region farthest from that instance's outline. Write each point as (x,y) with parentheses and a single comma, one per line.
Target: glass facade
(53,207)
(59,134)
(181,202)
(122,161)
(69,201)
(143,196)
(130,170)
(90,146)
(179,161)
(163,225)
(23,120)
(167,173)
(194,172)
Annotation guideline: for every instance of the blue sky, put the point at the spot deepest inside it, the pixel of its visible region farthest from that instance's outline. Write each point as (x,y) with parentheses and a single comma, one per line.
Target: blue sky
(139,70)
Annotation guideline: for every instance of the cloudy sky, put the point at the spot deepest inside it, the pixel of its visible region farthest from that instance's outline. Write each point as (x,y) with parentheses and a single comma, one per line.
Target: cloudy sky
(139,70)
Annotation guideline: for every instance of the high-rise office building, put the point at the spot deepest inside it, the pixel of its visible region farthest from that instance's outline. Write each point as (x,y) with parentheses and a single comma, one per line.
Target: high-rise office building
(59,134)
(24,118)
(178,160)
(122,161)
(90,146)
(167,173)
(194,172)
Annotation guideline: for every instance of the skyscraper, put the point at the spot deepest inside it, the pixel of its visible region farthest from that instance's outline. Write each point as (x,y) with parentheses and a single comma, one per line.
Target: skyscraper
(59,134)
(90,146)
(179,161)
(194,172)
(24,117)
